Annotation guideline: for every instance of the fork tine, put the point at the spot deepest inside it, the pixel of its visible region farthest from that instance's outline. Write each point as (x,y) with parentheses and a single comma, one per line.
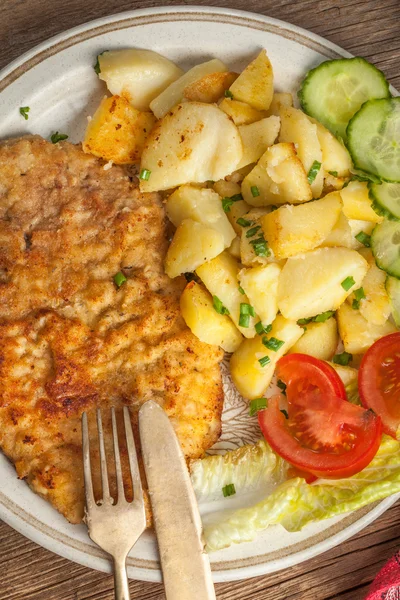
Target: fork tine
(87,473)
(117,458)
(133,461)
(103,459)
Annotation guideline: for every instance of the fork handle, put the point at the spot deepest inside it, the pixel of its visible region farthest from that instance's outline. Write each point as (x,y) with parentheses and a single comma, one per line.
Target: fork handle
(121,579)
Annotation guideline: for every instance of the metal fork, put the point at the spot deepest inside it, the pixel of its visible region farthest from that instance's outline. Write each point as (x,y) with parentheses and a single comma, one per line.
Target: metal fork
(114,527)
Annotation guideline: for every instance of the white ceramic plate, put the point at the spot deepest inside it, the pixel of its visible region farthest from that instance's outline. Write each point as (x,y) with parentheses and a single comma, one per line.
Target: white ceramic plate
(58,82)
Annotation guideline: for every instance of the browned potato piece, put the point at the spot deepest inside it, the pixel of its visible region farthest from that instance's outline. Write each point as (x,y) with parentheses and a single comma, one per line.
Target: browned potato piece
(117,131)
(209,88)
(255,85)
(240,112)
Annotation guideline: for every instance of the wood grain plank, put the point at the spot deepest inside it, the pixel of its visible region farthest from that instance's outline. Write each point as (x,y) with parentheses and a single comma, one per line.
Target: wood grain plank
(363,27)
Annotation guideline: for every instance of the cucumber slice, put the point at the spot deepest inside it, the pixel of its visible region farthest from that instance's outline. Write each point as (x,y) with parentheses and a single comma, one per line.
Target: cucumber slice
(386,199)
(334,91)
(373,138)
(385,246)
(393,290)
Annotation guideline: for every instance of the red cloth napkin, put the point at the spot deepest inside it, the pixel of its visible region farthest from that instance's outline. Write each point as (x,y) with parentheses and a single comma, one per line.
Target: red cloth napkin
(386,585)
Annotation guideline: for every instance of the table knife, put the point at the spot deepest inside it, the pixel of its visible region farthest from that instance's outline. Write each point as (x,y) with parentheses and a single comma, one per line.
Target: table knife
(184,562)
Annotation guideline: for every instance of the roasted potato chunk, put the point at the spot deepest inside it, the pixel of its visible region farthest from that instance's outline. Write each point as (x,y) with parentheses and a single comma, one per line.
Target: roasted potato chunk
(117,131)
(356,332)
(255,85)
(256,138)
(209,88)
(204,321)
(319,340)
(192,245)
(193,143)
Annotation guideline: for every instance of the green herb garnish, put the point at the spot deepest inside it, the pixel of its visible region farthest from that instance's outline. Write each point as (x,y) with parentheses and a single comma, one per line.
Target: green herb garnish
(256,405)
(264,361)
(348,283)
(313,172)
(272,343)
(323,316)
(251,232)
(119,279)
(364,239)
(144,174)
(333,173)
(260,246)
(228,201)
(358,295)
(219,307)
(281,385)
(58,137)
(229,490)
(97,66)
(228,94)
(343,359)
(24,111)
(304,321)
(254,191)
(244,222)
(261,329)
(241,290)
(246,311)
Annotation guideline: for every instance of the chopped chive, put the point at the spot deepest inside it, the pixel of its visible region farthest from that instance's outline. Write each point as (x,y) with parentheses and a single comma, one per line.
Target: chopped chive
(58,137)
(144,174)
(359,294)
(323,316)
(281,385)
(219,307)
(313,172)
(247,309)
(97,66)
(343,359)
(348,283)
(256,405)
(304,321)
(244,320)
(260,246)
(254,191)
(228,94)
(333,173)
(272,343)
(244,222)
(24,111)
(355,305)
(251,232)
(284,412)
(364,239)
(261,329)
(241,290)
(264,361)
(229,490)
(119,279)
(228,201)
(226,204)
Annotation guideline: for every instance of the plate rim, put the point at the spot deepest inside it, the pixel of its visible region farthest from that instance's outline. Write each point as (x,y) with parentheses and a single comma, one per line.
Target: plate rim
(12,72)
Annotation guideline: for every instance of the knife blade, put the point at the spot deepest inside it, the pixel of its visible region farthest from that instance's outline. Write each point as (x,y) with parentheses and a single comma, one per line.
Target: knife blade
(184,562)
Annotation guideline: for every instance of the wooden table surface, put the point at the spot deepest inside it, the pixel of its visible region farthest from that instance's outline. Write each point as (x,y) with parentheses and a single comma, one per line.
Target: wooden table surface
(370,28)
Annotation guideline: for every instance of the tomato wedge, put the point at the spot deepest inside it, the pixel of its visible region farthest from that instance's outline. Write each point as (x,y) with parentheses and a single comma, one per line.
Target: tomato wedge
(301,372)
(379,381)
(324,434)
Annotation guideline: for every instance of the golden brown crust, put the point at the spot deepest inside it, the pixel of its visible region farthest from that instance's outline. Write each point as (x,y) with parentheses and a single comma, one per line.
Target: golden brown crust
(70,340)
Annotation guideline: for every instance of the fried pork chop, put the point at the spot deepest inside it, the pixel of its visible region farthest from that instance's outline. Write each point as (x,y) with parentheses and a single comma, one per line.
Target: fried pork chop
(70,339)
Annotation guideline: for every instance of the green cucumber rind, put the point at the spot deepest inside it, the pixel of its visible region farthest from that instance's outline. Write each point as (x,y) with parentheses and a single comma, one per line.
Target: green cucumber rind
(307,81)
(378,207)
(349,140)
(393,290)
(393,271)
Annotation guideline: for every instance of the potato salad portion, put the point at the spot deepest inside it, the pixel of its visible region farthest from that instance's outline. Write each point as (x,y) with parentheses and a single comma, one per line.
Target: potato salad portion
(287,228)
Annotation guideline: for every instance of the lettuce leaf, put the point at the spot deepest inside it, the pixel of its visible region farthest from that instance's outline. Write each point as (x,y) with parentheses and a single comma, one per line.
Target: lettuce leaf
(295,503)
(248,468)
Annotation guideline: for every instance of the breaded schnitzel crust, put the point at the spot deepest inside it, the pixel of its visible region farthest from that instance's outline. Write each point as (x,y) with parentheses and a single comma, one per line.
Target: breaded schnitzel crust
(70,339)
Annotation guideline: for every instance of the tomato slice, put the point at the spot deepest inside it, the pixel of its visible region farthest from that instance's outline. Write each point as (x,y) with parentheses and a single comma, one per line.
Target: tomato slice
(302,373)
(379,381)
(324,434)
